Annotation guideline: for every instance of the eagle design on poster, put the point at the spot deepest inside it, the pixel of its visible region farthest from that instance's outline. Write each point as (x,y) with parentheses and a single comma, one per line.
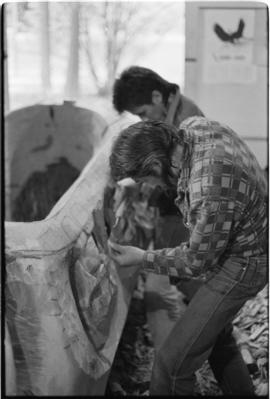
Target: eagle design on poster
(231,37)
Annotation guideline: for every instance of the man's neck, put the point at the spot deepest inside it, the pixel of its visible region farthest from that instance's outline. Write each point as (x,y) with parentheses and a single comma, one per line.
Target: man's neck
(173,103)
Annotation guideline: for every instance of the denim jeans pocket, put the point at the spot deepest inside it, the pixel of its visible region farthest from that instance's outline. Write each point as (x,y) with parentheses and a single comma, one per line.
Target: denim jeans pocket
(247,273)
(257,273)
(234,268)
(227,275)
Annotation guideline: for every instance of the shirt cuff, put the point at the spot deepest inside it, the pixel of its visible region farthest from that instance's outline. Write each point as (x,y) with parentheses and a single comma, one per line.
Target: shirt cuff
(165,265)
(156,263)
(148,261)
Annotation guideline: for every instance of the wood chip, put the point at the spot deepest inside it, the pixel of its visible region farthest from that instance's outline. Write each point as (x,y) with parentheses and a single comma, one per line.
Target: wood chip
(258,332)
(262,362)
(246,355)
(262,389)
(240,336)
(255,310)
(261,352)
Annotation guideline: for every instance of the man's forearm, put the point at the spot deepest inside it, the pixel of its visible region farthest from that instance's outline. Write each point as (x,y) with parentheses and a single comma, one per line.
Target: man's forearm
(167,262)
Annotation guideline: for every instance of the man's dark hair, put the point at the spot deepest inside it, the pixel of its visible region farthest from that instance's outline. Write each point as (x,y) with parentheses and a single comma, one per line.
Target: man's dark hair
(135,85)
(138,147)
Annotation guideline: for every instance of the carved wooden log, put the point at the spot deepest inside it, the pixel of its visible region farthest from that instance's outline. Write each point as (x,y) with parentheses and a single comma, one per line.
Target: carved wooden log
(39,140)
(57,349)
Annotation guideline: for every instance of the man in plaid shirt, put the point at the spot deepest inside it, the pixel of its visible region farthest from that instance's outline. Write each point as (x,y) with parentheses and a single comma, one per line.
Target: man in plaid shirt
(221,192)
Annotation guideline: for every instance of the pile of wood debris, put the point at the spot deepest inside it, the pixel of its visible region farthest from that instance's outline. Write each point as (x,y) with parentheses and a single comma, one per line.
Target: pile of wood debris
(251,333)
(251,327)
(131,371)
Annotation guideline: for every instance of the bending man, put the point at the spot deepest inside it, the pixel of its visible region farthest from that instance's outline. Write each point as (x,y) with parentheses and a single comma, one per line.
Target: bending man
(221,192)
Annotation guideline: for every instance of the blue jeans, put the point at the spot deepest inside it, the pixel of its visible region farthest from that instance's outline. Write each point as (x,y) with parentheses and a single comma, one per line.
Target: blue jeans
(205,332)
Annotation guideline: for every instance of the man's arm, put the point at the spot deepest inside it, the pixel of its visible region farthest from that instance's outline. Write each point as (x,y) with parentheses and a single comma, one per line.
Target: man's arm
(211,223)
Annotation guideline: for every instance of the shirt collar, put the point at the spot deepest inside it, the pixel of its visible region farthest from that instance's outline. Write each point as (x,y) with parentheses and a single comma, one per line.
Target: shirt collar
(187,138)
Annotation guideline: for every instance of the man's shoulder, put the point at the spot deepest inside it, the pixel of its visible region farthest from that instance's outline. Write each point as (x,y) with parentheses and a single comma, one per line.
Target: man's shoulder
(204,129)
(202,122)
(195,123)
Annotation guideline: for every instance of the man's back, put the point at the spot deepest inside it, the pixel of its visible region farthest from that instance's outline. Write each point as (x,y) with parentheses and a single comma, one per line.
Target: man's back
(224,171)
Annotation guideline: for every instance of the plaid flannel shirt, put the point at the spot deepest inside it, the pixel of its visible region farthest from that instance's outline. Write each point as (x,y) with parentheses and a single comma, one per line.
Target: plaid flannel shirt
(222,195)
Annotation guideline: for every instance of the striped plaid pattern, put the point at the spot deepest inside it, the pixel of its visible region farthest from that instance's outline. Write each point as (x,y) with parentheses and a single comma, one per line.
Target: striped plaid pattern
(222,195)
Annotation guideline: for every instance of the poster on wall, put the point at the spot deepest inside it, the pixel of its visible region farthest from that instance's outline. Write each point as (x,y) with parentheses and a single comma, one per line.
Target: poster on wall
(228,41)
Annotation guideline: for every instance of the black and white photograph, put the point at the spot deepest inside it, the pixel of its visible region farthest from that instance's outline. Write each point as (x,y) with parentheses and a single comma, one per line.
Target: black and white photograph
(135,198)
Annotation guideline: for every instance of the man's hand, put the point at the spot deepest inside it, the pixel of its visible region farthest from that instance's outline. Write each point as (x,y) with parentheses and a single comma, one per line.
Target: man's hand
(126,255)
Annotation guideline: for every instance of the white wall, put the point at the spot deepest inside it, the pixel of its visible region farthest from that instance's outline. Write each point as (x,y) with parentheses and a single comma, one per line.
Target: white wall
(232,90)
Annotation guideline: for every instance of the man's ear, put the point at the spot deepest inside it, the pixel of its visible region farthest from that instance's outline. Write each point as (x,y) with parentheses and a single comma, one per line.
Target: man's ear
(157,97)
